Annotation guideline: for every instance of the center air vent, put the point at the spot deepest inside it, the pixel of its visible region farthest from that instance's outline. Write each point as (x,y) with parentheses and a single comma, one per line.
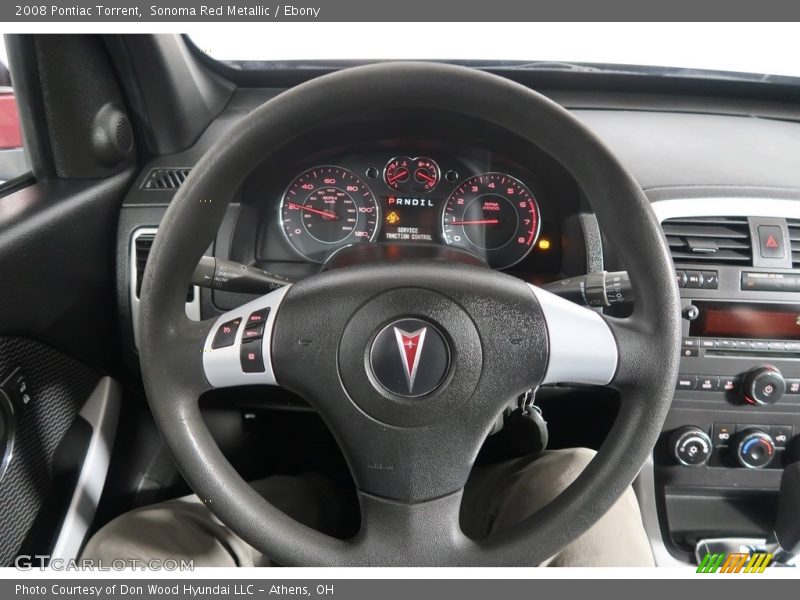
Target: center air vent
(710,240)
(794,238)
(165,179)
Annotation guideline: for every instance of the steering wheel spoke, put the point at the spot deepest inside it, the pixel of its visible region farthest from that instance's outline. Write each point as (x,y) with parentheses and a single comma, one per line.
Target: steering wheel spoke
(582,346)
(409,533)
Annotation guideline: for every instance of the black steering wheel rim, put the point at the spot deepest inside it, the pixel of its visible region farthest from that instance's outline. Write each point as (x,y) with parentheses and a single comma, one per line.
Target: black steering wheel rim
(648,341)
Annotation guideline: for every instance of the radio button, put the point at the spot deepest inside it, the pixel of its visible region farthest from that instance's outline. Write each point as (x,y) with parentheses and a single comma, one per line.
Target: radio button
(709,280)
(686,382)
(707,383)
(741,344)
(689,352)
(694,279)
(778,346)
(680,276)
(707,343)
(689,342)
(763,385)
(759,346)
(725,344)
(691,312)
(793,346)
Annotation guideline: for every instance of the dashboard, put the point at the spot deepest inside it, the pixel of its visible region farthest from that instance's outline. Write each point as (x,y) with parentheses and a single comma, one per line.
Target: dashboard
(424,181)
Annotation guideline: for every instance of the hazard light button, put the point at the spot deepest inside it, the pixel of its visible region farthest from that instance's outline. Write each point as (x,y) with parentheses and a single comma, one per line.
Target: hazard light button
(770,241)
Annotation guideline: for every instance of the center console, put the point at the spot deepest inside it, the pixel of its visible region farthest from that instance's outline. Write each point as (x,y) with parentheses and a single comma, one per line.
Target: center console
(734,423)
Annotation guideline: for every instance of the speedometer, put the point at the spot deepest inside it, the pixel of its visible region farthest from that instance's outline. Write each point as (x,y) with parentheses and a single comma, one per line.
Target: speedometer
(493,215)
(325,208)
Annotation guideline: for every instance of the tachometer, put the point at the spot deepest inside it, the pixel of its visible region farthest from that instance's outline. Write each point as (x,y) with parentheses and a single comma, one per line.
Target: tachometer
(493,215)
(325,208)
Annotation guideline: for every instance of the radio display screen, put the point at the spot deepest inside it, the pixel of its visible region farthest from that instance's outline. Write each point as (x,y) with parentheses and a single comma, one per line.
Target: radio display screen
(747,320)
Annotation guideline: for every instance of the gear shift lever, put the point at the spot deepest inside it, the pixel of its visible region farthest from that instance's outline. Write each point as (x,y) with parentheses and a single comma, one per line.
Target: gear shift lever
(784,542)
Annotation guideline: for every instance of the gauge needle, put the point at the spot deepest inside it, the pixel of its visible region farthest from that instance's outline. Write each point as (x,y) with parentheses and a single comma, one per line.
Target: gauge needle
(399,174)
(477,222)
(426,177)
(323,213)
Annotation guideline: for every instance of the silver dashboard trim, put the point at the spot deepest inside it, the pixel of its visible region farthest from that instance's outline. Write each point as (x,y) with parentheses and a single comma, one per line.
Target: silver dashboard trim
(192,308)
(645,488)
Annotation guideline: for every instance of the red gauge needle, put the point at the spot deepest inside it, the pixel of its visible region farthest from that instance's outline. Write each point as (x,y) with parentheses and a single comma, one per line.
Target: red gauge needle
(424,176)
(477,222)
(401,174)
(323,213)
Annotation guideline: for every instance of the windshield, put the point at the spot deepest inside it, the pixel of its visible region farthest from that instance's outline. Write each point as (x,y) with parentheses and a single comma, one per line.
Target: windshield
(733,49)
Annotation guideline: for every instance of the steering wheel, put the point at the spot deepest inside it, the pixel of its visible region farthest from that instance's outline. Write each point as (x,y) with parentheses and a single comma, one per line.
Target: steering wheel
(409,364)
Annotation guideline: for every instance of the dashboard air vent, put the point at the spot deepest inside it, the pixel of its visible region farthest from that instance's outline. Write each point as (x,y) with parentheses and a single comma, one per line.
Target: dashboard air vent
(794,238)
(709,240)
(165,179)
(142,245)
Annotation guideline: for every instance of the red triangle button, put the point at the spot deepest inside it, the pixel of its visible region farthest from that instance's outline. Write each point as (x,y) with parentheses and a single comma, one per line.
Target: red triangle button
(771,242)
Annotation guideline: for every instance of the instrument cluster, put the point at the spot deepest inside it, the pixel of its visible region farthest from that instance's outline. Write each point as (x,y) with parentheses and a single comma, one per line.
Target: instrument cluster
(377,197)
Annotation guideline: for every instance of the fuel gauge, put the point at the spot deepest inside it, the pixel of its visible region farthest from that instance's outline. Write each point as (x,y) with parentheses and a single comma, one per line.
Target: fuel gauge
(426,173)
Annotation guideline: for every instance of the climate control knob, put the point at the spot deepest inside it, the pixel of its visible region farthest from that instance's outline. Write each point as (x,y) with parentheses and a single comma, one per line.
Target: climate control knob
(690,446)
(754,449)
(763,385)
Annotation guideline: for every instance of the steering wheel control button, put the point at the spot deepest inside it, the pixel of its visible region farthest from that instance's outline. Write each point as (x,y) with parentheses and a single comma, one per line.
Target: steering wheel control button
(691,446)
(253,332)
(259,316)
(226,334)
(251,357)
(763,385)
(409,358)
(755,449)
